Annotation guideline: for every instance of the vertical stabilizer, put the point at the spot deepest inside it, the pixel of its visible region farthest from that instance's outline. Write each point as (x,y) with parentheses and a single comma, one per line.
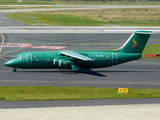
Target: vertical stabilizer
(136,42)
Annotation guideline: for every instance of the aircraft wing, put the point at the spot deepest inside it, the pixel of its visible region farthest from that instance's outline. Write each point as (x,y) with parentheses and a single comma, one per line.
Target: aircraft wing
(76,55)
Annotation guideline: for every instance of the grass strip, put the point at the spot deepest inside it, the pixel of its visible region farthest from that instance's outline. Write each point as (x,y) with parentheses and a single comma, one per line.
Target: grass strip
(151,49)
(107,17)
(75,2)
(36,93)
(44,18)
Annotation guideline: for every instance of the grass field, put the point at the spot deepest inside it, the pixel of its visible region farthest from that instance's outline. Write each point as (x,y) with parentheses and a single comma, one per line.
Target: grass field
(44,18)
(151,49)
(108,17)
(21,93)
(75,2)
(28,2)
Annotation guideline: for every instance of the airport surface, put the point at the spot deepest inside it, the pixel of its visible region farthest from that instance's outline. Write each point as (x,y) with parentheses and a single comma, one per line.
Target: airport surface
(120,112)
(136,74)
(75,7)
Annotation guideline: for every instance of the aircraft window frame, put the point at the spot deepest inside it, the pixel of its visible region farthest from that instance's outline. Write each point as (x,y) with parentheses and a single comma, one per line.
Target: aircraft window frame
(18,57)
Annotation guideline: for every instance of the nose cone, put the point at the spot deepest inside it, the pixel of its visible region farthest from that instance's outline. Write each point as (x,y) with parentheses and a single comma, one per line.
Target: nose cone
(10,64)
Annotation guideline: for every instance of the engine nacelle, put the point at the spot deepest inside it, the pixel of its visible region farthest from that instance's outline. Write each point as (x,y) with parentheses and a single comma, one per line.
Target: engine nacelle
(65,63)
(56,62)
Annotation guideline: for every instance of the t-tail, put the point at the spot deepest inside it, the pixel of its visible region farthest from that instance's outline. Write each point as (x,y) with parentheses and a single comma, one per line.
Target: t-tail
(136,42)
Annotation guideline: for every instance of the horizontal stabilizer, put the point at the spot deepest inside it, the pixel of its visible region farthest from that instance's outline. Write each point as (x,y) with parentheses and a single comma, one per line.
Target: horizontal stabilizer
(76,55)
(144,32)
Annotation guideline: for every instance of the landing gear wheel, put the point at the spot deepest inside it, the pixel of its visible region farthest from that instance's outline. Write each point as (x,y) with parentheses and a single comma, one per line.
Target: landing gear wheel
(14,70)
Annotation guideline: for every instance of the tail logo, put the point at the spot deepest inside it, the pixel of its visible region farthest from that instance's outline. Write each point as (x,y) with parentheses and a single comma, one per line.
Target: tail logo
(134,44)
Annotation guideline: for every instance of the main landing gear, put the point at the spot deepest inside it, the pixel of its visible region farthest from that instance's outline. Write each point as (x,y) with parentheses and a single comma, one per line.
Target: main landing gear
(75,68)
(14,70)
(77,71)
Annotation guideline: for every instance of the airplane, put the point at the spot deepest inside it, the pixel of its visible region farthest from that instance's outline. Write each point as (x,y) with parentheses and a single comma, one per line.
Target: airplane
(76,60)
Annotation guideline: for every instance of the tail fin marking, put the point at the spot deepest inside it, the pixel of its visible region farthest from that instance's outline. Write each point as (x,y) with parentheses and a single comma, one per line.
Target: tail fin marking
(136,42)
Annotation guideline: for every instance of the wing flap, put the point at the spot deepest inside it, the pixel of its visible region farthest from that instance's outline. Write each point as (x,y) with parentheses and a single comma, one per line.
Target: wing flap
(76,55)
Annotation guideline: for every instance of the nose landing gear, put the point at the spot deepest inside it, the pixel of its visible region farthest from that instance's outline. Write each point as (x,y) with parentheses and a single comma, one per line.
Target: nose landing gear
(14,70)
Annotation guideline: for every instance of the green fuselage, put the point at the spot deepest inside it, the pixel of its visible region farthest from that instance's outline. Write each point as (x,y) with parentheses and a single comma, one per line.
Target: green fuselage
(52,59)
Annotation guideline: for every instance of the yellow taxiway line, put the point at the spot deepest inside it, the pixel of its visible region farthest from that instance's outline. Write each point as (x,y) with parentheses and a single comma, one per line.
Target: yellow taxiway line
(1,35)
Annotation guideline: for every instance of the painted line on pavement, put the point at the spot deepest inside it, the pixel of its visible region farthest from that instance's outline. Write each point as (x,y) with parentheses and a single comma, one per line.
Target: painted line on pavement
(69,43)
(5,71)
(1,42)
(3,59)
(85,82)
(10,51)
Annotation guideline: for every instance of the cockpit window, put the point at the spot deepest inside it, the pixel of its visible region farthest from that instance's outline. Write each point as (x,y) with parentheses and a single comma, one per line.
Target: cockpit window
(18,57)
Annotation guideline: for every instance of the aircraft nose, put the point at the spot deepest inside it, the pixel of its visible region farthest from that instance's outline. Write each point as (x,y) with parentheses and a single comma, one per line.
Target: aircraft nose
(10,64)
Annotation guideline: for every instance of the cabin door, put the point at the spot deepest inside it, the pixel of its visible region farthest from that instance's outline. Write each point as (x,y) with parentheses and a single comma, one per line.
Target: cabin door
(29,58)
(114,58)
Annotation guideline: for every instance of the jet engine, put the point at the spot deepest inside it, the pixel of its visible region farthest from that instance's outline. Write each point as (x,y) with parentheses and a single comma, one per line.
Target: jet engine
(65,63)
(56,62)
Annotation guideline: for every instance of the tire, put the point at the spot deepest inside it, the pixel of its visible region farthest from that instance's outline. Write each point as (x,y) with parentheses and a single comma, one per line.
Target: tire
(14,70)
